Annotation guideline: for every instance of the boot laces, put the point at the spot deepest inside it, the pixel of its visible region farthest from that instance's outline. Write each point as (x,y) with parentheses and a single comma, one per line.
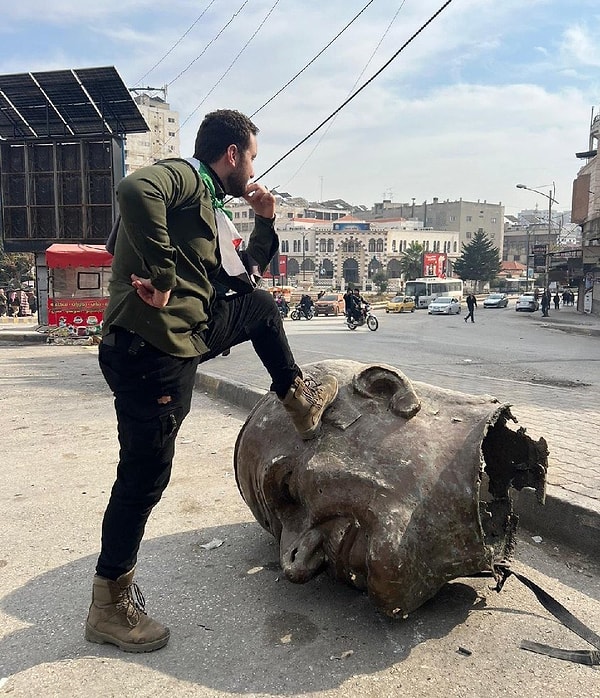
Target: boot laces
(312,391)
(132,602)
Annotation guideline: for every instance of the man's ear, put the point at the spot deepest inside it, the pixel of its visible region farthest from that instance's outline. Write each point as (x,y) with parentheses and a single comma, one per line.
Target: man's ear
(232,155)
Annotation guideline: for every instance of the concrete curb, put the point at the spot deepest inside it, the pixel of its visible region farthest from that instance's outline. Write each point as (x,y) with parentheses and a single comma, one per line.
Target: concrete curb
(567,522)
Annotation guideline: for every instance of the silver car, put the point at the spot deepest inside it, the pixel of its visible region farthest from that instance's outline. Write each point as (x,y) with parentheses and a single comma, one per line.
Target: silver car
(527,303)
(444,305)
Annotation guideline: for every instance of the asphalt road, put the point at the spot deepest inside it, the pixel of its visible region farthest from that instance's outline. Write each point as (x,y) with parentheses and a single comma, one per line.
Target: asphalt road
(511,355)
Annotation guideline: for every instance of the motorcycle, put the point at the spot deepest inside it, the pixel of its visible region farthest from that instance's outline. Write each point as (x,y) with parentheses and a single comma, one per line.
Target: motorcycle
(283,310)
(299,312)
(366,318)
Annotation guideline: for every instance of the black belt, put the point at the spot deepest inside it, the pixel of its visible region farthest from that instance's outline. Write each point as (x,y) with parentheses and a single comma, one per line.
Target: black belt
(120,337)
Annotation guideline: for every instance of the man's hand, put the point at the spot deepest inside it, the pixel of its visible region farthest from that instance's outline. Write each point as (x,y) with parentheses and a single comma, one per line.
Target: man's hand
(150,295)
(261,200)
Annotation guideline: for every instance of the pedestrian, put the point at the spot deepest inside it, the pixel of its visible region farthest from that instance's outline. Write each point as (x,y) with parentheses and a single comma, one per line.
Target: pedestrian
(179,294)
(471,305)
(566,297)
(556,301)
(3,302)
(14,302)
(545,303)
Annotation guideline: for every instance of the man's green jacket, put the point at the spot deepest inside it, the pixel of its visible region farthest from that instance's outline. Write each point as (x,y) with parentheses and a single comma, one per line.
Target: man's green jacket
(168,234)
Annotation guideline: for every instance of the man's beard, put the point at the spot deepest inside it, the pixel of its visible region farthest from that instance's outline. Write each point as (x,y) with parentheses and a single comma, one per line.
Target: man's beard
(236,183)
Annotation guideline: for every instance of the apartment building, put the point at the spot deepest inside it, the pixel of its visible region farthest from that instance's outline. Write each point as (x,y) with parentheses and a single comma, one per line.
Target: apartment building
(162,140)
(464,217)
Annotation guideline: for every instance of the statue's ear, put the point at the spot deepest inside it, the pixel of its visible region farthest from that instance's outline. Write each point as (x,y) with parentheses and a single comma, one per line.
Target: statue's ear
(387,383)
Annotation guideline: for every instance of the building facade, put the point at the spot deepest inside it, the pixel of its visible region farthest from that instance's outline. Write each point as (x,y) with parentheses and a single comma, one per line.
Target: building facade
(586,212)
(324,246)
(464,217)
(162,140)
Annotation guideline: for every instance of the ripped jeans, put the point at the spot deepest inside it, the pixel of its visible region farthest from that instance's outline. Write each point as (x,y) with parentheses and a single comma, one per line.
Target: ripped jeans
(153,395)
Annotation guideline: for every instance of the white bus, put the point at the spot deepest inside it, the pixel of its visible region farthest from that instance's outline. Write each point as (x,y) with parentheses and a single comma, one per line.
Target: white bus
(428,288)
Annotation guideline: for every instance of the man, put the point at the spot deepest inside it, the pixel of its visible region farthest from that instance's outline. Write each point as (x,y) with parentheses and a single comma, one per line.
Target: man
(471,305)
(306,305)
(179,294)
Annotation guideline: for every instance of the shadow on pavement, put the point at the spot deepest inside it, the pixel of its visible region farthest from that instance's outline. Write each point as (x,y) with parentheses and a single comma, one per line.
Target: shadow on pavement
(236,625)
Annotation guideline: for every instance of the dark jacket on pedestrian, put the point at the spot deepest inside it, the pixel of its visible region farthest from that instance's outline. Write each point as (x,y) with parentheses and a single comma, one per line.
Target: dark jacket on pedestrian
(170,217)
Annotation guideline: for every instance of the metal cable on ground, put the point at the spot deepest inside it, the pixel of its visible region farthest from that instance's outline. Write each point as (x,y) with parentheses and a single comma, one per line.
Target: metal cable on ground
(181,38)
(357,92)
(321,52)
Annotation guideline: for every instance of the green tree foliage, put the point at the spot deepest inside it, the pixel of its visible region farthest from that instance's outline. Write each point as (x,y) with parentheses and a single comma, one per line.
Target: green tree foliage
(15,268)
(380,279)
(411,263)
(479,260)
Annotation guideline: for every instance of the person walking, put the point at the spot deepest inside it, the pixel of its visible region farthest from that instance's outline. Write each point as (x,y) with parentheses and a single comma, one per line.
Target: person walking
(545,302)
(179,295)
(471,305)
(3,302)
(556,301)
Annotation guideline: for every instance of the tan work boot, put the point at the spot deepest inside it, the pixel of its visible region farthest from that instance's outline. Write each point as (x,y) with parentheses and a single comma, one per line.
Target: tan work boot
(305,402)
(118,616)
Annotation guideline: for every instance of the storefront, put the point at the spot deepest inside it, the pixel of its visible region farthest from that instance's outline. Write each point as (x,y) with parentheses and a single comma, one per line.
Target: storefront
(78,278)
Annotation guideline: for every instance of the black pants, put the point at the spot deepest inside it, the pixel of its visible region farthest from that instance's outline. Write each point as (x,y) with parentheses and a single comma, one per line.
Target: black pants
(470,315)
(153,394)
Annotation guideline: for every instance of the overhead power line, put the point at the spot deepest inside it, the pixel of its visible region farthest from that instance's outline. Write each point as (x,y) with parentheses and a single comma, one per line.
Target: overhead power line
(191,63)
(358,91)
(362,72)
(233,62)
(181,38)
(321,52)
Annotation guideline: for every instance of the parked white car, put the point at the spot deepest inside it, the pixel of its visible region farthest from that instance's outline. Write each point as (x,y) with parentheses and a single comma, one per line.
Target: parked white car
(444,305)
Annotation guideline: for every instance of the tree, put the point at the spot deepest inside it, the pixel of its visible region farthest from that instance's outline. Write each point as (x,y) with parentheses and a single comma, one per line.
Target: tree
(380,279)
(479,260)
(411,263)
(15,268)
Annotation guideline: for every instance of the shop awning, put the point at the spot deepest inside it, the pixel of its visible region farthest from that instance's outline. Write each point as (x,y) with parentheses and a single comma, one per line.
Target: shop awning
(62,256)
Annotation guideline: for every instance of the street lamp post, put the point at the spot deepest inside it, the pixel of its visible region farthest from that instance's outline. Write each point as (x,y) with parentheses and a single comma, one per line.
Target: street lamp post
(551,200)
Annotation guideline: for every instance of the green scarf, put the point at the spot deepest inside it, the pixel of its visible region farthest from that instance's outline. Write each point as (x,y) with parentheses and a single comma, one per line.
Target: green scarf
(206,177)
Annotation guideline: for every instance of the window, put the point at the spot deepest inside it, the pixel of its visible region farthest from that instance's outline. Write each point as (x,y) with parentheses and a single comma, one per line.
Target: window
(469,219)
(171,120)
(172,134)
(285,245)
(371,245)
(380,245)
(493,219)
(330,245)
(394,246)
(322,245)
(468,236)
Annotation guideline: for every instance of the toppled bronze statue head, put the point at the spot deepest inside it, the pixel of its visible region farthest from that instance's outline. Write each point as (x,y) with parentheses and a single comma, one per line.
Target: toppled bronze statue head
(407,487)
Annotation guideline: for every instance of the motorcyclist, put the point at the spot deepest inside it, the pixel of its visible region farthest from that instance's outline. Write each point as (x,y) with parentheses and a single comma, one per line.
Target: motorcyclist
(354,306)
(360,304)
(306,305)
(282,304)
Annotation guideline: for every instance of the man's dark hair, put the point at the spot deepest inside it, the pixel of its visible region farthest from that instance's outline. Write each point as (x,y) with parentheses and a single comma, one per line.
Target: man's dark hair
(219,130)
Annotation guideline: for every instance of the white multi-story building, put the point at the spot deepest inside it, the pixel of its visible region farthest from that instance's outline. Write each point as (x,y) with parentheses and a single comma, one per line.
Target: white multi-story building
(162,140)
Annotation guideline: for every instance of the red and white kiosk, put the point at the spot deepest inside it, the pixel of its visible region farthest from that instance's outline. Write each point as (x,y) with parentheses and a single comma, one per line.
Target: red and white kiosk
(78,277)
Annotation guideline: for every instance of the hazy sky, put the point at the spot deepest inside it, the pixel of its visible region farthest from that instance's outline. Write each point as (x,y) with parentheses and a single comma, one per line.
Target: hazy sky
(492,93)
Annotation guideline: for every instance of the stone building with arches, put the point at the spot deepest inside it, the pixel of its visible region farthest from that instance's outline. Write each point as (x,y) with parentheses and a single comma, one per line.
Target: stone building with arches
(337,249)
